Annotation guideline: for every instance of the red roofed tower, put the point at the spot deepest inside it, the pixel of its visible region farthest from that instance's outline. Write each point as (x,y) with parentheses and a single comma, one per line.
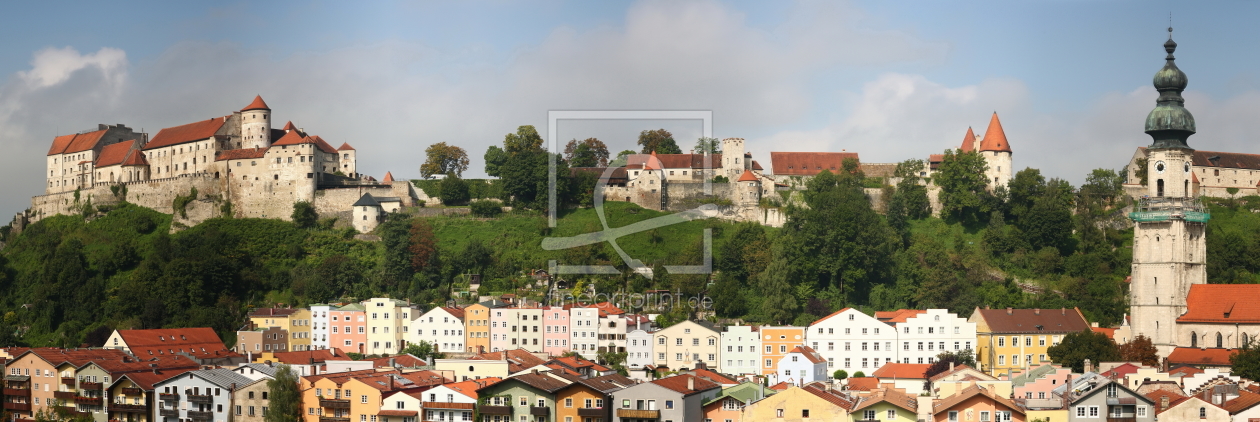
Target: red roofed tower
(997,153)
(348,160)
(969,141)
(256,124)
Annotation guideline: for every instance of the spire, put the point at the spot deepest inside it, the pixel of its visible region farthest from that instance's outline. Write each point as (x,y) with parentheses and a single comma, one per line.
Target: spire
(1170,124)
(969,141)
(748,176)
(257,104)
(389,178)
(289,126)
(994,137)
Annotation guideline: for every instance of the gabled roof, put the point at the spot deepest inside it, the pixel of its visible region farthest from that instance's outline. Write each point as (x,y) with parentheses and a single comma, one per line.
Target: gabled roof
(296,138)
(469,388)
(713,376)
(892,396)
(272,312)
(960,368)
(518,359)
(454,311)
(197,341)
(404,361)
(1222,303)
(1245,400)
(820,320)
(146,379)
(268,370)
(604,384)
(748,176)
(863,383)
(898,316)
(1225,159)
(842,401)
(808,163)
(66,144)
(540,381)
(972,391)
(968,142)
(195,131)
(345,147)
(1196,356)
(221,377)
(994,137)
(757,166)
(289,127)
(744,393)
(135,158)
(902,371)
(257,104)
(114,154)
(673,161)
(809,354)
(1033,320)
(240,154)
(678,383)
(310,356)
(782,385)
(77,358)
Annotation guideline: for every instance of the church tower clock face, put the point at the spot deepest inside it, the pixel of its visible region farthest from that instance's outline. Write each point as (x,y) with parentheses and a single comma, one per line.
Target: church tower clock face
(1159,167)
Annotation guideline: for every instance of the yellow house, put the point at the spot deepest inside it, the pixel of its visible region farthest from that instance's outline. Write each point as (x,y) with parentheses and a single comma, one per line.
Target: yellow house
(296,321)
(477,325)
(472,369)
(1048,415)
(798,404)
(1010,339)
(958,378)
(886,405)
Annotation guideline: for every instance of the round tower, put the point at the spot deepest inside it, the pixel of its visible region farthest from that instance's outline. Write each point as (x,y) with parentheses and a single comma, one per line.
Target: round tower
(996,152)
(256,124)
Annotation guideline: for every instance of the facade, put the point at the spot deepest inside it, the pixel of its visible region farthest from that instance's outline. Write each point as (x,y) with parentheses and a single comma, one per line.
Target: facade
(319,326)
(888,405)
(584,333)
(684,344)
(676,398)
(801,366)
(589,398)
(195,342)
(775,344)
(740,350)
(853,341)
(443,327)
(555,330)
(132,397)
(388,321)
(262,340)
(250,402)
(531,396)
(477,325)
(201,395)
(300,330)
(1108,399)
(639,349)
(1017,339)
(976,404)
(70,160)
(938,329)
(801,404)
(729,406)
(1040,382)
(348,328)
(909,377)
(612,328)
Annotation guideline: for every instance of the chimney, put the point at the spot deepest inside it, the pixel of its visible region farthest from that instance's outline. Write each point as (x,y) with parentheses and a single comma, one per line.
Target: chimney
(1063,311)
(1010,311)
(951,366)
(391,362)
(1088,366)
(1163,402)
(1036,311)
(691,383)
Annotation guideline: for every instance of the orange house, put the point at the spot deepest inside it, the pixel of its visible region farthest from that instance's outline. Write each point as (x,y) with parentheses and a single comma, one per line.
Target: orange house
(775,344)
(477,327)
(976,404)
(588,399)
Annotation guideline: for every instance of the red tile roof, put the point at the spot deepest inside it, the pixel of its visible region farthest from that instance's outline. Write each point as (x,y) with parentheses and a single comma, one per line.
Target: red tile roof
(994,137)
(198,342)
(1222,303)
(240,154)
(675,161)
(272,312)
(345,147)
(936,158)
(135,158)
(469,388)
(289,127)
(1184,371)
(295,138)
(1245,400)
(518,359)
(257,104)
(902,371)
(713,376)
(1109,332)
(833,398)
(757,166)
(1034,320)
(389,178)
(809,353)
(863,383)
(898,316)
(968,143)
(455,312)
(892,396)
(748,176)
(1195,356)
(67,144)
(829,316)
(808,163)
(146,379)
(310,356)
(114,154)
(1226,159)
(679,383)
(949,402)
(781,386)
(186,133)
(406,361)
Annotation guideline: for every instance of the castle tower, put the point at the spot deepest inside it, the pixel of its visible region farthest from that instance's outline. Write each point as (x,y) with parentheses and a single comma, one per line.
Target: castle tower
(1168,246)
(733,162)
(996,152)
(747,189)
(256,124)
(969,141)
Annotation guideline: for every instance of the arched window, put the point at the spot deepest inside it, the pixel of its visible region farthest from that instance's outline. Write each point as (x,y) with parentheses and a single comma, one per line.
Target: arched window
(1194,340)
(1220,341)
(1245,340)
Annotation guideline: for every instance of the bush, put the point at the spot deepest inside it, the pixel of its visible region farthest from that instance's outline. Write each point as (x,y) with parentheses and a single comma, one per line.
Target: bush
(304,215)
(840,374)
(454,191)
(859,374)
(485,208)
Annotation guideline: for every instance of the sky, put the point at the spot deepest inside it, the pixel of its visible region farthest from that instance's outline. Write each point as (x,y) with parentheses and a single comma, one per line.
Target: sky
(891,81)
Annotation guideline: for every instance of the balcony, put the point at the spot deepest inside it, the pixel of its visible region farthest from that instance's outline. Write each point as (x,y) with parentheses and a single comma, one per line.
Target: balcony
(496,410)
(67,381)
(63,395)
(1122,419)
(21,407)
(168,413)
(132,391)
(594,412)
(333,419)
(90,385)
(17,392)
(91,401)
(200,416)
(638,414)
(334,404)
(130,408)
(539,410)
(169,397)
(194,398)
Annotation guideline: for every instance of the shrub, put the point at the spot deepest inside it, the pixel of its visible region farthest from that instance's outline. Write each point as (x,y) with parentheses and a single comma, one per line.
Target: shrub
(304,215)
(485,208)
(454,191)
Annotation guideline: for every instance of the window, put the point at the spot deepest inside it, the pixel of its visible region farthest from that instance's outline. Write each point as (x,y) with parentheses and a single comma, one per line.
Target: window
(1202,413)
(1001,341)
(953,416)
(1141,411)
(1093,411)
(778,413)
(984,416)
(669,404)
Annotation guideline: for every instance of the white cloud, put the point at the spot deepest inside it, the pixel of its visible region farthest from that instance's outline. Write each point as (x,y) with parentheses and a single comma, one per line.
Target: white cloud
(52,66)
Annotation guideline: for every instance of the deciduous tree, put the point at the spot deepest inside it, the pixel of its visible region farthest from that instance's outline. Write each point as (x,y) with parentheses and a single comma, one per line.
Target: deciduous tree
(286,398)
(1140,349)
(709,145)
(589,152)
(659,141)
(1075,348)
(304,215)
(962,181)
(444,159)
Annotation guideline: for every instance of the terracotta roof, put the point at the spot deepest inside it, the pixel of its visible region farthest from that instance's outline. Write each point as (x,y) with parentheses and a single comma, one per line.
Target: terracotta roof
(128,365)
(1222,303)
(469,388)
(310,356)
(893,396)
(395,412)
(1245,400)
(898,316)
(135,158)
(808,163)
(679,383)
(936,158)
(968,143)
(829,316)
(295,138)
(863,383)
(186,133)
(323,145)
(345,147)
(957,368)
(540,381)
(609,308)
(831,397)
(994,137)
(76,357)
(406,361)
(1194,178)
(257,104)
(389,178)
(1226,159)
(289,127)
(273,312)
(1184,371)
(748,176)
(784,385)
(518,359)
(1196,356)
(455,312)
(240,154)
(902,371)
(146,379)
(114,154)
(67,144)
(809,353)
(713,376)
(199,342)
(972,391)
(757,166)
(653,163)
(1109,332)
(1028,320)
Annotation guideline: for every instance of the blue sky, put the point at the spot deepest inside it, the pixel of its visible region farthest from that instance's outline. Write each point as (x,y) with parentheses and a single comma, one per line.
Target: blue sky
(890,80)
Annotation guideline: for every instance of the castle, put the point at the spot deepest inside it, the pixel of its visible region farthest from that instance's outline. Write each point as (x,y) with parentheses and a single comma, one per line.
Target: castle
(236,164)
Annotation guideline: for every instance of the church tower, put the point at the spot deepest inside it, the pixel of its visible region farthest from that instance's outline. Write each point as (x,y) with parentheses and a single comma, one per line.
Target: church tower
(256,124)
(1168,246)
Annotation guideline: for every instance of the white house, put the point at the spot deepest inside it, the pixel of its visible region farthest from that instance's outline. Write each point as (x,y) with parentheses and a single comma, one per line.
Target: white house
(256,371)
(319,326)
(638,349)
(682,345)
(802,366)
(740,351)
(204,395)
(924,334)
(443,327)
(851,340)
(584,331)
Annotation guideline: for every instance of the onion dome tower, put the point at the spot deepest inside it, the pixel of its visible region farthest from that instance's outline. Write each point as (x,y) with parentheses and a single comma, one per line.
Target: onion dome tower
(1170,124)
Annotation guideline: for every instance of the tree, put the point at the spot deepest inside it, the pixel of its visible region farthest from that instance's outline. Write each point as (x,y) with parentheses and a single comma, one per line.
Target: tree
(286,399)
(590,152)
(1246,361)
(962,181)
(304,215)
(454,191)
(944,359)
(1140,349)
(859,374)
(709,145)
(614,360)
(1075,348)
(422,244)
(840,374)
(495,159)
(910,200)
(526,139)
(444,159)
(659,141)
(424,350)
(780,305)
